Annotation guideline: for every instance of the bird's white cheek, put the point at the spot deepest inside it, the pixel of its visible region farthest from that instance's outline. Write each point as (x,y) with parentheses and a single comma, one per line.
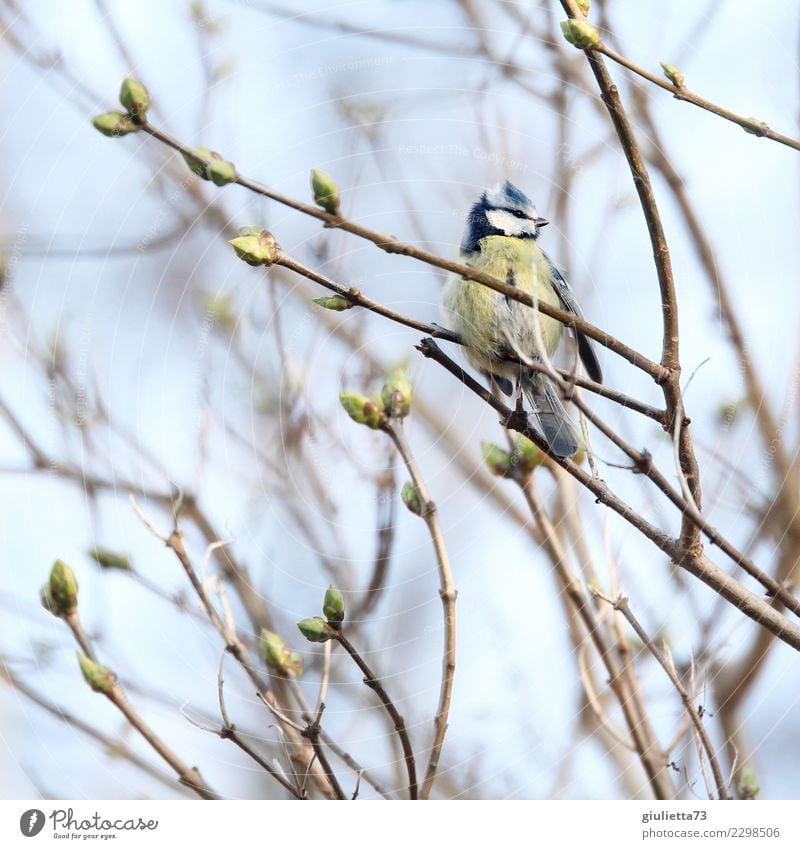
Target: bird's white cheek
(507,223)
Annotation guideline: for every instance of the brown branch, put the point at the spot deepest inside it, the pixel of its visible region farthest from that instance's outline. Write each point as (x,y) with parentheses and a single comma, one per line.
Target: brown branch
(447,593)
(394,246)
(694,562)
(641,730)
(115,748)
(751,125)
(621,604)
(189,776)
(374,683)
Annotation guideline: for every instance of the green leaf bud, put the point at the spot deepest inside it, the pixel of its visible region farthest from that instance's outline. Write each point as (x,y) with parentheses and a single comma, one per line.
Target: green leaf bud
(580,33)
(333,302)
(409,495)
(529,456)
(326,192)
(333,607)
(108,559)
(278,656)
(673,74)
(221,172)
(361,410)
(62,590)
(397,394)
(499,462)
(135,98)
(747,785)
(98,677)
(315,630)
(255,246)
(114,124)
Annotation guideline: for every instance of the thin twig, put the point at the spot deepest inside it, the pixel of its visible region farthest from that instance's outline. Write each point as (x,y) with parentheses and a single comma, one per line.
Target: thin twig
(621,604)
(447,593)
(374,683)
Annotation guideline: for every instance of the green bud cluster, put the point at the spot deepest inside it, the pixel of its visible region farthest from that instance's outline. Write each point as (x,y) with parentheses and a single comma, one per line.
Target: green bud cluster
(255,246)
(319,629)
(279,656)
(136,100)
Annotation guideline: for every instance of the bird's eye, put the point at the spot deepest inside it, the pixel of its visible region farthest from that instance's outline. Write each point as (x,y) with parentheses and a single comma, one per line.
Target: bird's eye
(517,213)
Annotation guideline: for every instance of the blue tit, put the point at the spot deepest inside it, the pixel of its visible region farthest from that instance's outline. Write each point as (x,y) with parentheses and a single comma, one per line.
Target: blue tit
(501,239)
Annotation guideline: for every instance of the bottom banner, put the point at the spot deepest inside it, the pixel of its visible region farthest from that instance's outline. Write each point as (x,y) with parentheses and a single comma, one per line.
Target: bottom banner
(376,824)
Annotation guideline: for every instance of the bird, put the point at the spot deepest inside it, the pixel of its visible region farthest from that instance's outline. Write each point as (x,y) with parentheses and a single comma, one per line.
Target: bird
(501,239)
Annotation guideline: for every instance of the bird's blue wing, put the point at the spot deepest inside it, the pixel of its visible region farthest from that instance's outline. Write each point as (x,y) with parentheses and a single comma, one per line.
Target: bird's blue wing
(585,348)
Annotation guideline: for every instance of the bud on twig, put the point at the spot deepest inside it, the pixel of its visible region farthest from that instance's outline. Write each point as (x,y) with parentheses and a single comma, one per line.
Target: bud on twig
(747,786)
(114,124)
(98,677)
(315,630)
(580,33)
(279,656)
(60,593)
(673,74)
(333,607)
(135,98)
(584,6)
(209,165)
(409,495)
(333,302)
(326,192)
(107,559)
(498,461)
(361,410)
(397,394)
(530,457)
(255,246)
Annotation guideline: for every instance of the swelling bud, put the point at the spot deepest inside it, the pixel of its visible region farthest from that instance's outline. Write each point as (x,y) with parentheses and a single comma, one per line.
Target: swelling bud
(673,74)
(409,495)
(333,607)
(135,98)
(326,192)
(255,246)
(333,302)
(397,394)
(98,677)
(278,656)
(498,461)
(60,595)
(361,410)
(114,124)
(580,33)
(315,630)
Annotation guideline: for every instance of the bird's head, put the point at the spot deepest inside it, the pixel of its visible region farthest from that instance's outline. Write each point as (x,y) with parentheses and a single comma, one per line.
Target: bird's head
(502,210)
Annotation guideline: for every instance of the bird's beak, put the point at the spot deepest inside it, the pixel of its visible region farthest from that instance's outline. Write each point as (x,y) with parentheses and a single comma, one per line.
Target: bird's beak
(541,222)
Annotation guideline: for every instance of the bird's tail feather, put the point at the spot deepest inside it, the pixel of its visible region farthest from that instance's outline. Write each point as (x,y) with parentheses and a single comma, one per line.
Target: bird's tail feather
(549,417)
